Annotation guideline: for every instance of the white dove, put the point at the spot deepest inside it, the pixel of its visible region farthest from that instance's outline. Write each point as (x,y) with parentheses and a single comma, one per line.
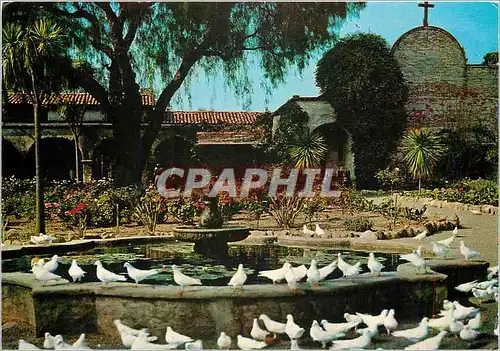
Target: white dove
(129,335)
(343,265)
(336,328)
(353,318)
(141,343)
(420,236)
(122,328)
(224,341)
(293,330)
(327,270)
(313,274)
(480,293)
(172,337)
(300,272)
(80,343)
(239,278)
(428,344)
(275,275)
(442,323)
(378,320)
(322,336)
(272,326)
(23,345)
(486,284)
(106,276)
(319,231)
(455,326)
(414,334)
(466,287)
(447,242)
(462,312)
(257,332)
(139,274)
(60,344)
(195,345)
(76,272)
(307,231)
(359,343)
(415,259)
(44,275)
(455,231)
(467,252)
(373,265)
(183,280)
(390,322)
(249,344)
(475,323)
(440,249)
(468,333)
(291,279)
(52,265)
(353,271)
(50,341)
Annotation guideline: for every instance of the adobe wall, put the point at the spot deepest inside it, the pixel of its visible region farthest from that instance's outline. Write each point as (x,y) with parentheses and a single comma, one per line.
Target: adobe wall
(445,92)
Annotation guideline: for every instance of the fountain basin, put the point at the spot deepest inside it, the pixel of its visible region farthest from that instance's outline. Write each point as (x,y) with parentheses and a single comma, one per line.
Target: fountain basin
(203,311)
(221,235)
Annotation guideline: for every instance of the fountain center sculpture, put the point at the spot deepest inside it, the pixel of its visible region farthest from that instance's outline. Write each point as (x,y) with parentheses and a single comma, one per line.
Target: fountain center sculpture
(210,236)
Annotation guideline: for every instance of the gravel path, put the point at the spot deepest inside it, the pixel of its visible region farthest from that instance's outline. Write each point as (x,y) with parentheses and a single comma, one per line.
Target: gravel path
(479,231)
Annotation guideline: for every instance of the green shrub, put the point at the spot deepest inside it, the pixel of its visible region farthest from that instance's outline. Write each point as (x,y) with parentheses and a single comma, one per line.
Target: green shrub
(358,224)
(474,192)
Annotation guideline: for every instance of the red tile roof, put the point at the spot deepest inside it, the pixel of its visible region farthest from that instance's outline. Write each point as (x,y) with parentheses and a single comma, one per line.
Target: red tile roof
(211,117)
(71,98)
(171,117)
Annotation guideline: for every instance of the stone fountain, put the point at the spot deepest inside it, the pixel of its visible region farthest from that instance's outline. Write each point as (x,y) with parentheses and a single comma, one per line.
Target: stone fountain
(209,235)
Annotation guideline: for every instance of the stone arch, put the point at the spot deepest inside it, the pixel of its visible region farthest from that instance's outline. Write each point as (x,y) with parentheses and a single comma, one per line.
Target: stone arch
(173,151)
(57,159)
(339,141)
(12,160)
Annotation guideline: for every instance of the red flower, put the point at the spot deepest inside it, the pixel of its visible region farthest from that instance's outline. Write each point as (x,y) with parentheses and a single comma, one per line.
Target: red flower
(460,189)
(48,205)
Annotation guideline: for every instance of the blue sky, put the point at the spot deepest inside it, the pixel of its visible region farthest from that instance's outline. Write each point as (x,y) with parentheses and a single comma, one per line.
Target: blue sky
(474,24)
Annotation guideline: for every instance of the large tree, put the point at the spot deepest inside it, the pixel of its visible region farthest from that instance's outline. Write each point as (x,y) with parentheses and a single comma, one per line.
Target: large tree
(159,44)
(363,82)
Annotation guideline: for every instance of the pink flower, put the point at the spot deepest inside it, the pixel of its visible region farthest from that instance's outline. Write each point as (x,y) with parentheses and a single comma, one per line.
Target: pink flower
(48,205)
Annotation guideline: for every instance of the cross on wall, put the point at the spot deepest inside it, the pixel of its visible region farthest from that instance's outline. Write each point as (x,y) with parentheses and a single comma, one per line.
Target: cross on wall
(426,7)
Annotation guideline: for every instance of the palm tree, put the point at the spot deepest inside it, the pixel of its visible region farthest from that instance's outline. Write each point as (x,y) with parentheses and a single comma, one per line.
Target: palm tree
(26,54)
(422,151)
(309,150)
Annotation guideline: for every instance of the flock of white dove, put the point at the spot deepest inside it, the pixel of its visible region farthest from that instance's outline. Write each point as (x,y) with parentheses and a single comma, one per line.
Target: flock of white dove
(455,319)
(453,316)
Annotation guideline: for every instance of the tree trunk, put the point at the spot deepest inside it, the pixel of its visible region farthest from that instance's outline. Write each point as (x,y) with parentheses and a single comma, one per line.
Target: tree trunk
(40,205)
(77,161)
(419,184)
(154,126)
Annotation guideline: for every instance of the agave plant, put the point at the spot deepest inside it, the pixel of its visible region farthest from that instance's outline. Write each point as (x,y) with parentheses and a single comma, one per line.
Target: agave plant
(422,151)
(309,150)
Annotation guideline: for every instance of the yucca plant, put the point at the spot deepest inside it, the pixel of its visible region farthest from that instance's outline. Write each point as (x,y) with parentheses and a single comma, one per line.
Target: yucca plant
(284,209)
(422,151)
(309,150)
